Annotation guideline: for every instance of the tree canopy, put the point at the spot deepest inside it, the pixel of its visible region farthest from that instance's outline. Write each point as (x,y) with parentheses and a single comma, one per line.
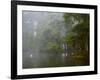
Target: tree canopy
(78,33)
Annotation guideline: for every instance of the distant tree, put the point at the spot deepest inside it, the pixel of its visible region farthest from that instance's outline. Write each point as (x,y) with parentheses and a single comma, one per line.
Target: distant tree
(77,35)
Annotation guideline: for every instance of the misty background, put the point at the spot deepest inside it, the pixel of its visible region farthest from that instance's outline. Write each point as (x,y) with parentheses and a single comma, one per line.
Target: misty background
(44,40)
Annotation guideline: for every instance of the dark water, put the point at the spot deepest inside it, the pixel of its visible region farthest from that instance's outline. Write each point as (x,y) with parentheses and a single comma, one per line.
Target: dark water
(42,60)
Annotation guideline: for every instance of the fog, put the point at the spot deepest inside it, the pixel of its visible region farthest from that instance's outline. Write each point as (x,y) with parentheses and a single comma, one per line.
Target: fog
(34,23)
(43,39)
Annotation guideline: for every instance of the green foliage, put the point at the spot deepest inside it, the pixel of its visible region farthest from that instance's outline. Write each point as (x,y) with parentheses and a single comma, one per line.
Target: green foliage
(53,47)
(77,35)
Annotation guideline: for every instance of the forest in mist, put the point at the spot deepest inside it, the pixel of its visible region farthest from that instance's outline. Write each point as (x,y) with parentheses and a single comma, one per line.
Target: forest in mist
(54,39)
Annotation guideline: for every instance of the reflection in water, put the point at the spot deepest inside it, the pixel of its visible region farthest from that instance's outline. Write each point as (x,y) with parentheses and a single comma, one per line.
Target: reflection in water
(43,60)
(45,40)
(39,60)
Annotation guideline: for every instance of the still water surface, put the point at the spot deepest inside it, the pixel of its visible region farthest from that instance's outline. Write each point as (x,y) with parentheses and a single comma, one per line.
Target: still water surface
(42,60)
